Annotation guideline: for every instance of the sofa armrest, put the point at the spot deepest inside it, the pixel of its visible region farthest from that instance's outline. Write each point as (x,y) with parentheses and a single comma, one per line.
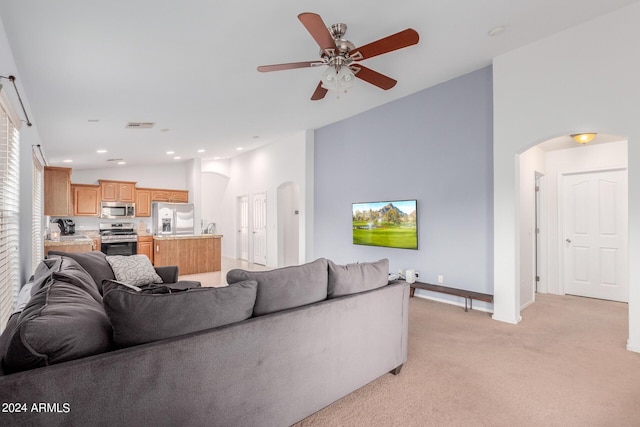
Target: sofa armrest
(168,273)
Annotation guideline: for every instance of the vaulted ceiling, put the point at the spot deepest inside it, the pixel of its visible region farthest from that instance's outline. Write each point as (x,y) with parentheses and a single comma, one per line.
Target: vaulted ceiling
(189,67)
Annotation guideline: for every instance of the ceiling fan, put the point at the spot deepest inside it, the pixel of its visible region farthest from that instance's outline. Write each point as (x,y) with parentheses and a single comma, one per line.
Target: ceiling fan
(342,56)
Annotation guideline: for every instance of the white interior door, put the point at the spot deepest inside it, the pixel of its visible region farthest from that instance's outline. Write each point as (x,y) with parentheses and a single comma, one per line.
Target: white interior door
(595,235)
(243,228)
(259,204)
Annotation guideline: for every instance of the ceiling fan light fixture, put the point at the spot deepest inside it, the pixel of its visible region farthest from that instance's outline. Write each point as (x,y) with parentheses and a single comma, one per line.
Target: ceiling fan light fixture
(339,79)
(583,138)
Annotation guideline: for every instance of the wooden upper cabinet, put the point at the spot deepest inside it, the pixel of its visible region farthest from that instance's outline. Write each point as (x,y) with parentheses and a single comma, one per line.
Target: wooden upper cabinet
(143,202)
(179,196)
(86,200)
(57,191)
(117,191)
(174,196)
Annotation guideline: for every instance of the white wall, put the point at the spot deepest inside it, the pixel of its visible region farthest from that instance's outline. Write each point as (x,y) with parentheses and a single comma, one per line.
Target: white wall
(168,175)
(583,79)
(213,188)
(264,170)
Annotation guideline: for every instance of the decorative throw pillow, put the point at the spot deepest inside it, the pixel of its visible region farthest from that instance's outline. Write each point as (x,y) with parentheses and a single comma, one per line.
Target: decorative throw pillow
(353,278)
(133,269)
(139,317)
(64,320)
(286,287)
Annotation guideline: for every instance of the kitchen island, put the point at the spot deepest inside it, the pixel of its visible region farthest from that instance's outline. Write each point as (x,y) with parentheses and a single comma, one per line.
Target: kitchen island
(192,254)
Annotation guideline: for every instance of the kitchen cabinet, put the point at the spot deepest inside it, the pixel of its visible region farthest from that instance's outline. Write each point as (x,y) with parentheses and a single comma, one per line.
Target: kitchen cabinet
(174,196)
(117,191)
(86,199)
(143,202)
(57,191)
(192,254)
(145,246)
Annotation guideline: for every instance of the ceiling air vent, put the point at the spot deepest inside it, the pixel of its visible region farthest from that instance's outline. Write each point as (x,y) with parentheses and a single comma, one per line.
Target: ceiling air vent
(140,125)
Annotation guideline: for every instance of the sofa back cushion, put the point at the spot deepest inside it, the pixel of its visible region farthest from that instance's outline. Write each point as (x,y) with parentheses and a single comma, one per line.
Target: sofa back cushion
(144,316)
(63,320)
(94,262)
(286,287)
(353,278)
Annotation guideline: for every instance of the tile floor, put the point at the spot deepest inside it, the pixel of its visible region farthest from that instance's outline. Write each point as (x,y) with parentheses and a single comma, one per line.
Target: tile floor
(218,278)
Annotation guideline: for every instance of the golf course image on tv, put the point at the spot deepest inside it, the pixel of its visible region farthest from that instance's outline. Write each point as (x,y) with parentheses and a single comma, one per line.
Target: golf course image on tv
(390,224)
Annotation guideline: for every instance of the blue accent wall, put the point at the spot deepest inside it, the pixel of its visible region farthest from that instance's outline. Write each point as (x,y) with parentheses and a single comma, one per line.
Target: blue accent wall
(434,146)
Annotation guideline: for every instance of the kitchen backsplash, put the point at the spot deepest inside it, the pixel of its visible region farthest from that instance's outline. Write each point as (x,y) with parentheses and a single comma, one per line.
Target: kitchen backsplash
(84,223)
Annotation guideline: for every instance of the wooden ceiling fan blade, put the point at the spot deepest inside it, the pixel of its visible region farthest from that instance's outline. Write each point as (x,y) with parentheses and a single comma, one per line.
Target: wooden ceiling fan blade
(388,44)
(289,66)
(373,77)
(318,30)
(319,93)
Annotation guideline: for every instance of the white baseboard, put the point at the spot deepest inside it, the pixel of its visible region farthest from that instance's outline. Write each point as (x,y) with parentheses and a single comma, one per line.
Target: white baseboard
(477,305)
(633,347)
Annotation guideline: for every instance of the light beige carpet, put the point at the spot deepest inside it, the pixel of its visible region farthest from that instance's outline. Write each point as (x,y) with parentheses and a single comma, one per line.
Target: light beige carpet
(565,364)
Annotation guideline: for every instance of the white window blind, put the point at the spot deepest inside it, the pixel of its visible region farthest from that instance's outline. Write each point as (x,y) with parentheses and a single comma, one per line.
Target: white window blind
(9,208)
(37,242)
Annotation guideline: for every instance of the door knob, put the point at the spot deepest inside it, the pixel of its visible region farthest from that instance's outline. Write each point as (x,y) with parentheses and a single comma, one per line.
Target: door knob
(568,240)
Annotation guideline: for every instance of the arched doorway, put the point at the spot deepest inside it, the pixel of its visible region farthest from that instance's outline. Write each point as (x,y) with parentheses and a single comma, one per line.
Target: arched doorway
(561,161)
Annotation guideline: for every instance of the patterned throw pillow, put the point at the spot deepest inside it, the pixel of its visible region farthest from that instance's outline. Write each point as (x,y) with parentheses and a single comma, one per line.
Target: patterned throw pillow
(133,269)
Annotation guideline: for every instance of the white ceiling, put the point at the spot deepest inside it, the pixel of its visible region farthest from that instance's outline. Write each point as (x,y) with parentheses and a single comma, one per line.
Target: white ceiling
(190,66)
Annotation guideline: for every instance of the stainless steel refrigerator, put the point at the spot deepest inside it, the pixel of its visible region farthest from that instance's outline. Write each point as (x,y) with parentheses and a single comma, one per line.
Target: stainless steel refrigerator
(172,219)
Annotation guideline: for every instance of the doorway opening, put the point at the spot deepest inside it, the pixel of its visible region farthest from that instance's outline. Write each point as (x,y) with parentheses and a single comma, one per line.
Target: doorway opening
(547,259)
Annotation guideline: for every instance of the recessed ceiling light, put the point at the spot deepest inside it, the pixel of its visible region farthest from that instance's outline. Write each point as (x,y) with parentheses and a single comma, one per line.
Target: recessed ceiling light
(101,151)
(177,158)
(496,30)
(93,120)
(171,152)
(122,162)
(202,150)
(239,148)
(67,161)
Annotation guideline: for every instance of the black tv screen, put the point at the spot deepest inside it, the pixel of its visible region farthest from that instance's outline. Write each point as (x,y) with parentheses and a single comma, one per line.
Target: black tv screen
(391,224)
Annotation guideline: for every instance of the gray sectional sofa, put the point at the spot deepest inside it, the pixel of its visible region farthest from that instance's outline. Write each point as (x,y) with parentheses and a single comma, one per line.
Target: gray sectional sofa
(268,350)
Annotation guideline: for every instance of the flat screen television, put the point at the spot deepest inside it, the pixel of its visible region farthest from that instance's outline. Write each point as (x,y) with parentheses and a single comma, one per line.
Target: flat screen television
(391,224)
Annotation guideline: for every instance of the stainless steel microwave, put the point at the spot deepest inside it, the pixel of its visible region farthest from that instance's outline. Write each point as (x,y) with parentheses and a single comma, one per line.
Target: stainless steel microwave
(117,210)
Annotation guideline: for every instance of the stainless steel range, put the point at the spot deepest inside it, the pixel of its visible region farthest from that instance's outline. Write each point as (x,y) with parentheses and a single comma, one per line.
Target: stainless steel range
(118,238)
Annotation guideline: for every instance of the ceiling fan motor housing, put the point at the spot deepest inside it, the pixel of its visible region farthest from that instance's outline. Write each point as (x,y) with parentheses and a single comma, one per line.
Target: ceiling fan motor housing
(340,56)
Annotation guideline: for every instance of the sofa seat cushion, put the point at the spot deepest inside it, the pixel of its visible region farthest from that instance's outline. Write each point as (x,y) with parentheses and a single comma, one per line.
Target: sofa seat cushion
(64,320)
(139,317)
(353,278)
(286,287)
(133,269)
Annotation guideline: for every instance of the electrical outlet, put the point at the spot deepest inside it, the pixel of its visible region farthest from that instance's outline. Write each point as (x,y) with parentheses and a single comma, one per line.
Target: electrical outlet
(417,275)
(440,279)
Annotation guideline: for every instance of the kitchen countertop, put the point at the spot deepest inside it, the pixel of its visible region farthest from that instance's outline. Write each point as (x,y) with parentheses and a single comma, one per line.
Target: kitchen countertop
(70,241)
